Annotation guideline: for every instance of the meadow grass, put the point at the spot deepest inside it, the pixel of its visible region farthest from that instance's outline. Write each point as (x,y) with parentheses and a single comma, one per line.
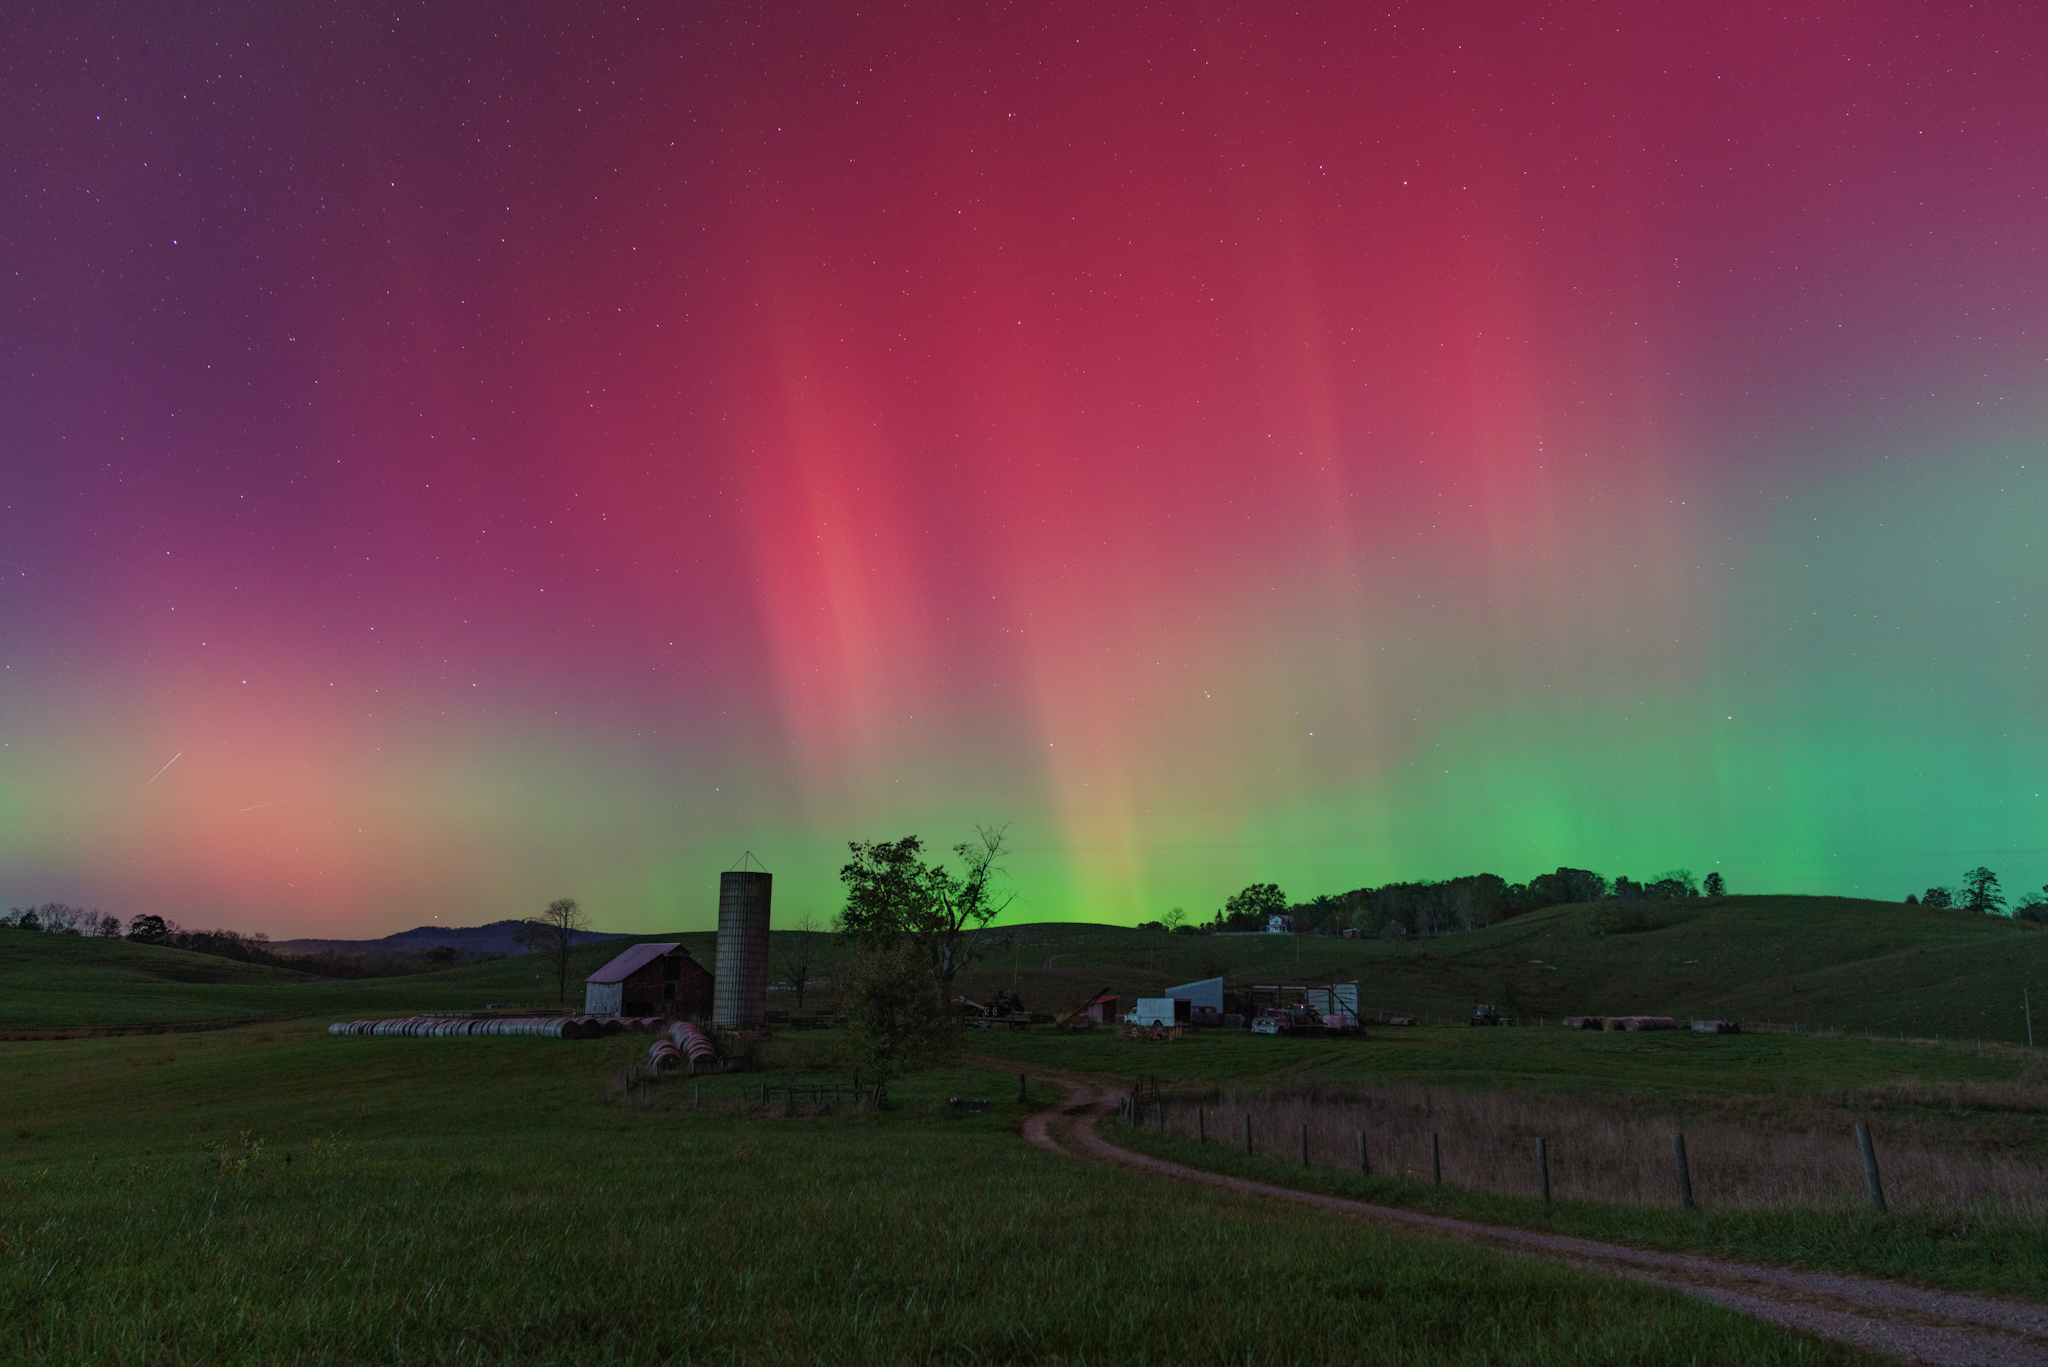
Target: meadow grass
(270,1193)
(1741,1154)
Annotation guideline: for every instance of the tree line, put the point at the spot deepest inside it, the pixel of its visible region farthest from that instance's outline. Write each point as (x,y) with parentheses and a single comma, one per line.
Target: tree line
(59,918)
(1397,911)
(1980,891)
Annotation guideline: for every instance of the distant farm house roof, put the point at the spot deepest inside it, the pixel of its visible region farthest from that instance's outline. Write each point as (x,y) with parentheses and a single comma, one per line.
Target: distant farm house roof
(623,967)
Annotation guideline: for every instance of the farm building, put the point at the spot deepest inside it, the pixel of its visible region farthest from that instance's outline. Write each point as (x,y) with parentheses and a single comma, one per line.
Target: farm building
(1204,998)
(1336,1004)
(649,980)
(1101,1009)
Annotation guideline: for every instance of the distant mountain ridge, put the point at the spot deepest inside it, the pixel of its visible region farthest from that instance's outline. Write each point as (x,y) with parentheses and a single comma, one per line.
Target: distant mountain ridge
(494,938)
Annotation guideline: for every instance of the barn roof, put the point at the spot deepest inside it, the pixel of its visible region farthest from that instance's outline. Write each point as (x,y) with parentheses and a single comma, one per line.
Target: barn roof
(634,959)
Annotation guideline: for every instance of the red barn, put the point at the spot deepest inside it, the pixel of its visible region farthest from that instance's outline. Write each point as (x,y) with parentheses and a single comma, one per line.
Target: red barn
(649,980)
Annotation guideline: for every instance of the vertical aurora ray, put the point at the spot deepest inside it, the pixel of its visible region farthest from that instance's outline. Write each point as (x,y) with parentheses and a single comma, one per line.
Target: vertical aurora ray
(1322,448)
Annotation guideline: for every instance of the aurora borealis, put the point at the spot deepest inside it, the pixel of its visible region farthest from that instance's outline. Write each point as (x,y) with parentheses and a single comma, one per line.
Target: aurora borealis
(516,453)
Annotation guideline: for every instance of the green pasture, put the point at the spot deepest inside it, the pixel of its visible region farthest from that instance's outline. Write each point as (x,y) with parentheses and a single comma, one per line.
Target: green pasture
(269,1193)
(263,1191)
(1831,961)
(60,982)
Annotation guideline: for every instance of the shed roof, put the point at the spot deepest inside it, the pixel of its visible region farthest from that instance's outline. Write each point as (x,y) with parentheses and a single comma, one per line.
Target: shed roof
(634,959)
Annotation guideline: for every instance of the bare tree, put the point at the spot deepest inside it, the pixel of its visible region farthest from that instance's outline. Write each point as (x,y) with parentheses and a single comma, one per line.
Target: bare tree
(553,934)
(796,955)
(61,918)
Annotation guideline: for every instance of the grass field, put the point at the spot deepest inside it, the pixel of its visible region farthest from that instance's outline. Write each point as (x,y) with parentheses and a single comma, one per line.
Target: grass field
(271,1194)
(268,1193)
(1857,965)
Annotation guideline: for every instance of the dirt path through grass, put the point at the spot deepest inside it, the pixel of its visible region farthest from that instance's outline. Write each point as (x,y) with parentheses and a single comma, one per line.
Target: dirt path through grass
(1935,1327)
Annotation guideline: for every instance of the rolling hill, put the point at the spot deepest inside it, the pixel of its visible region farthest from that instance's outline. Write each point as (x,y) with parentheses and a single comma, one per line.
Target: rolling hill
(1856,965)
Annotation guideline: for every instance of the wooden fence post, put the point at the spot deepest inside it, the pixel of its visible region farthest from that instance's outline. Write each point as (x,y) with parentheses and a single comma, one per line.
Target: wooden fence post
(1870,1166)
(1684,1172)
(1159,1116)
(1543,1168)
(1364,1167)
(1436,1162)
(1023,1091)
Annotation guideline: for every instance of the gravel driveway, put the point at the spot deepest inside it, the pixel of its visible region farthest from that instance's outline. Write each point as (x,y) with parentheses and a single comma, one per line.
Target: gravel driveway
(1937,1327)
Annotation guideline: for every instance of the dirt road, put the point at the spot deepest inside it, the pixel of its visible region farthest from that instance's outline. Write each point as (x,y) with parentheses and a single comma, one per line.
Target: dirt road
(1935,1327)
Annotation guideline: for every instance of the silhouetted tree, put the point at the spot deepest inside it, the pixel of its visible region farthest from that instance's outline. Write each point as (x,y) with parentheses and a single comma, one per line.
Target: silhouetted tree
(1981,892)
(1253,908)
(149,930)
(1715,886)
(61,918)
(552,934)
(796,956)
(1936,897)
(892,895)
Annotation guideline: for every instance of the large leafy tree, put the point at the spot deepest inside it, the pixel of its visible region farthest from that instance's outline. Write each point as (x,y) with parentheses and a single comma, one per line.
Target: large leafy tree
(149,929)
(896,1015)
(894,898)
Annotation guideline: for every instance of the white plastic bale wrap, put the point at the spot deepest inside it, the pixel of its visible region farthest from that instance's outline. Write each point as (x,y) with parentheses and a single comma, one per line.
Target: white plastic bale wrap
(691,1041)
(451,1027)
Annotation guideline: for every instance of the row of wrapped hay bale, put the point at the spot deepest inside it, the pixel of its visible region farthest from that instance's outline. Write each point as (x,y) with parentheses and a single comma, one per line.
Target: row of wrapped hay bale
(1622,1023)
(551,1027)
(682,1043)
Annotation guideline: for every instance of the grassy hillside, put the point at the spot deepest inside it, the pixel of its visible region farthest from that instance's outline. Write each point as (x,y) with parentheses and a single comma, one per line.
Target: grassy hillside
(1857,965)
(57,982)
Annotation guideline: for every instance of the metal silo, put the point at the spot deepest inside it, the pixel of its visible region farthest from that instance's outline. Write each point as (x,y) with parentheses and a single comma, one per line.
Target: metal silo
(739,993)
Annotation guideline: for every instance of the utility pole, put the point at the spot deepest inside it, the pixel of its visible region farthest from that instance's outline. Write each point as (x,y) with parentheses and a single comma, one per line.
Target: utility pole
(2028,1007)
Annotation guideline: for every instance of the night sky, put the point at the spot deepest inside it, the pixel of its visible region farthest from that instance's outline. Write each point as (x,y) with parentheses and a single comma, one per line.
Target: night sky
(504,456)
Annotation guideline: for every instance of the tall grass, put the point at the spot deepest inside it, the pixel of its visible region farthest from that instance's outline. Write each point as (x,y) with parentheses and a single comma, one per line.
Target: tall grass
(1618,1150)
